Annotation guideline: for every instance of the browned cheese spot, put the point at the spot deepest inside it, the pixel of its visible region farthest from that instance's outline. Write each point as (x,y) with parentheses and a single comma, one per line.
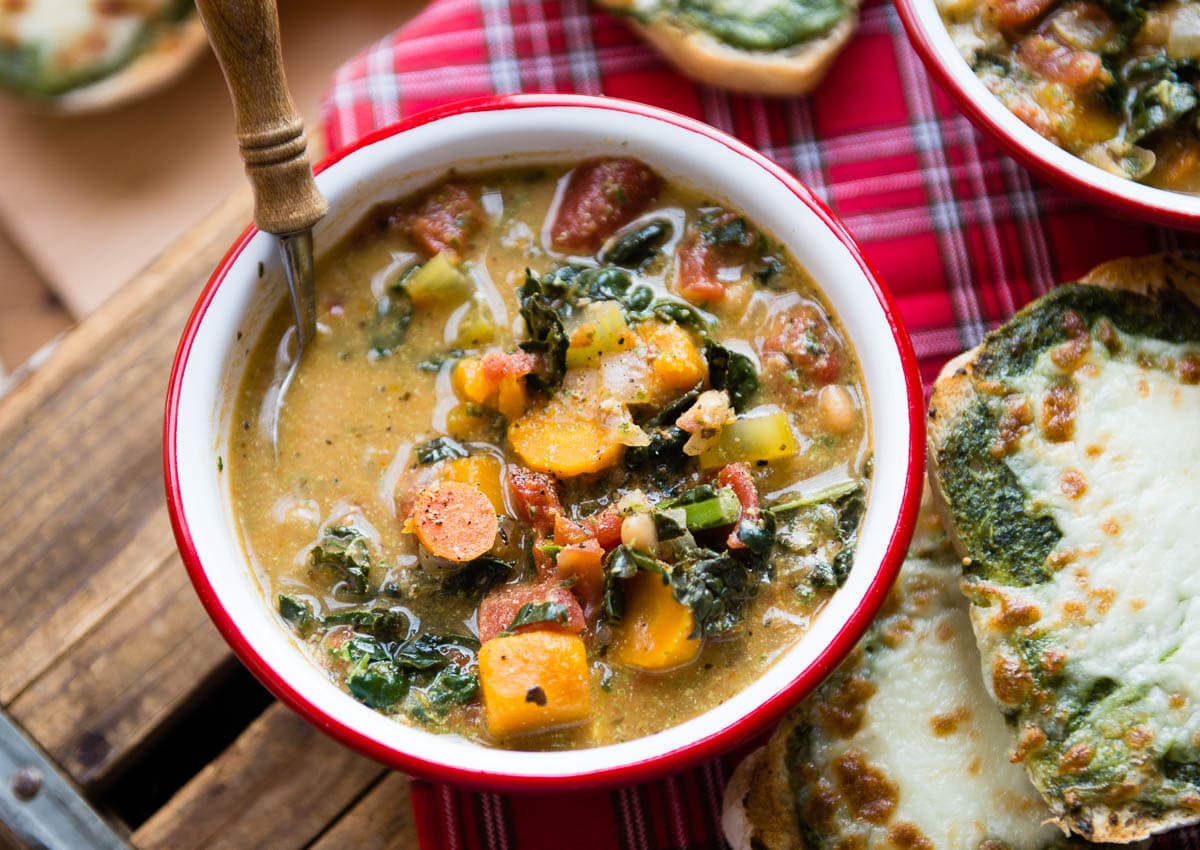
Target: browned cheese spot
(947,722)
(1093,452)
(821,807)
(1016,416)
(1143,388)
(1137,603)
(1177,700)
(843,711)
(858,841)
(1077,758)
(1058,412)
(974,766)
(1104,597)
(1188,369)
(1069,354)
(1107,334)
(1139,737)
(14,7)
(1052,661)
(896,631)
(1111,527)
(1190,801)
(945,631)
(1029,741)
(1011,682)
(868,792)
(1014,613)
(1073,484)
(1074,611)
(904,835)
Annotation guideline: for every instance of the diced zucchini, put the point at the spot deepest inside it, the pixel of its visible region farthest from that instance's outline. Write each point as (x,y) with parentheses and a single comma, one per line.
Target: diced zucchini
(440,281)
(602,330)
(475,327)
(760,438)
(722,509)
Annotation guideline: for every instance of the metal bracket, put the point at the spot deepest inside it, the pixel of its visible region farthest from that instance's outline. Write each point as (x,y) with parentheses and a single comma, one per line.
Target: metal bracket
(39,807)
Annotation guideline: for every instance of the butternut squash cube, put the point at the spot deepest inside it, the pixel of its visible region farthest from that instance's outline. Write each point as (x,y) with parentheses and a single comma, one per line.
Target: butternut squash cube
(676,362)
(534,681)
(483,472)
(656,631)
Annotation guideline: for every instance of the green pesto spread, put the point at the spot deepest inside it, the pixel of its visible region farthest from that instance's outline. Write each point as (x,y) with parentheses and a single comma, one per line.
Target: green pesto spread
(764,26)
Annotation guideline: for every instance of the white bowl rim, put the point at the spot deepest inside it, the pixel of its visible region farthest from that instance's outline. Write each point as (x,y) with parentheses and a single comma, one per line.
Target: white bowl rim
(524,770)
(934,44)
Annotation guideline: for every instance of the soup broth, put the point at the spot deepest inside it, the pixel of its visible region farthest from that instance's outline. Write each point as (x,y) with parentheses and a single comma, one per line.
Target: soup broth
(575,456)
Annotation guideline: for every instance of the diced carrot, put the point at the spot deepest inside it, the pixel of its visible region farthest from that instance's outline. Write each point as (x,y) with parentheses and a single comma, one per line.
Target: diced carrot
(601,195)
(676,362)
(536,497)
(737,477)
(656,631)
(606,525)
(533,682)
(501,606)
(563,440)
(512,398)
(455,521)
(481,471)
(471,381)
(582,564)
(1014,14)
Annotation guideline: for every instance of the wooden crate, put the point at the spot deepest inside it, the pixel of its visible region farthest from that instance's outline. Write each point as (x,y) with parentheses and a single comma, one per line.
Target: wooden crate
(109,662)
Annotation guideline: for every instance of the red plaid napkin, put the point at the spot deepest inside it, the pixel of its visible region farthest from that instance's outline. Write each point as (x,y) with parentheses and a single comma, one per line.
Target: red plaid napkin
(962,235)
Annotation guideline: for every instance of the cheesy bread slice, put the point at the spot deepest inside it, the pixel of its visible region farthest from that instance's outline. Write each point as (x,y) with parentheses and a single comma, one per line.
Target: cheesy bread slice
(1065,453)
(901,749)
(79,54)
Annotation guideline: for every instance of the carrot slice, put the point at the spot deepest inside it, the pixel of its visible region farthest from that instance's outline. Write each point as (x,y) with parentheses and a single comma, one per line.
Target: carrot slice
(564,441)
(455,521)
(656,632)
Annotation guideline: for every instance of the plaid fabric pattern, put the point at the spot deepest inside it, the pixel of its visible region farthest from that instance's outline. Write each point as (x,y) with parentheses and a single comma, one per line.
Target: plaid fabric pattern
(962,235)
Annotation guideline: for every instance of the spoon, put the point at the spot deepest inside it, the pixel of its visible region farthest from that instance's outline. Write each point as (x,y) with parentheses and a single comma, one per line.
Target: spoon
(245,38)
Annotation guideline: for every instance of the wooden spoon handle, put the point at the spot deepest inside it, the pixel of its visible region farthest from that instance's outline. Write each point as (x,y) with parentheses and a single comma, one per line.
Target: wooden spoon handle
(245,37)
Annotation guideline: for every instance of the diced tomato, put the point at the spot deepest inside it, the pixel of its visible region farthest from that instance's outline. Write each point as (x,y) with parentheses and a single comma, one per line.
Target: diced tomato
(497,365)
(1015,14)
(737,477)
(500,607)
(536,497)
(606,525)
(705,250)
(805,337)
(567,531)
(583,566)
(601,195)
(444,220)
(1076,69)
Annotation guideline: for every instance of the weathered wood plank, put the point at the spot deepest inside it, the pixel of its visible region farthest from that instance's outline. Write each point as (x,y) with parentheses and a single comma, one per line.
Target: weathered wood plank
(277,787)
(111,690)
(80,446)
(382,820)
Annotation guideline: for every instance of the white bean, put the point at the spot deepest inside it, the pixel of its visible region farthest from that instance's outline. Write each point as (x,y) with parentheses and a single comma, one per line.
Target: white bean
(638,532)
(836,408)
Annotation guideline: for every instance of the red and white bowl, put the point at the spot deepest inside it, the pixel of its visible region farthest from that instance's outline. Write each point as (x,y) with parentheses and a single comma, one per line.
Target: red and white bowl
(946,65)
(492,134)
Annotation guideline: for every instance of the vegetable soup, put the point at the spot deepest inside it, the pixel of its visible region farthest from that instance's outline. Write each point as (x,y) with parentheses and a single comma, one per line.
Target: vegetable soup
(1115,82)
(575,456)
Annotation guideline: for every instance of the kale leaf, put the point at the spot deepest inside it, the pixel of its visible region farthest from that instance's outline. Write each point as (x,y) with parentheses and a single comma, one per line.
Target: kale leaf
(380,685)
(540,302)
(639,245)
(716,586)
(732,372)
(343,553)
(438,449)
(479,576)
(538,612)
(389,325)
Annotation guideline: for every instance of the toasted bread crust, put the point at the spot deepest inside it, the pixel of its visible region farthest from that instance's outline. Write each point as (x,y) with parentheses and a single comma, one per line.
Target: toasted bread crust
(759,809)
(172,52)
(780,73)
(954,393)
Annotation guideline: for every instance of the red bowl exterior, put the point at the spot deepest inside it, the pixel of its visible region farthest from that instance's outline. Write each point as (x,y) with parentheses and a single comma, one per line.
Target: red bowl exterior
(635,771)
(1032,159)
